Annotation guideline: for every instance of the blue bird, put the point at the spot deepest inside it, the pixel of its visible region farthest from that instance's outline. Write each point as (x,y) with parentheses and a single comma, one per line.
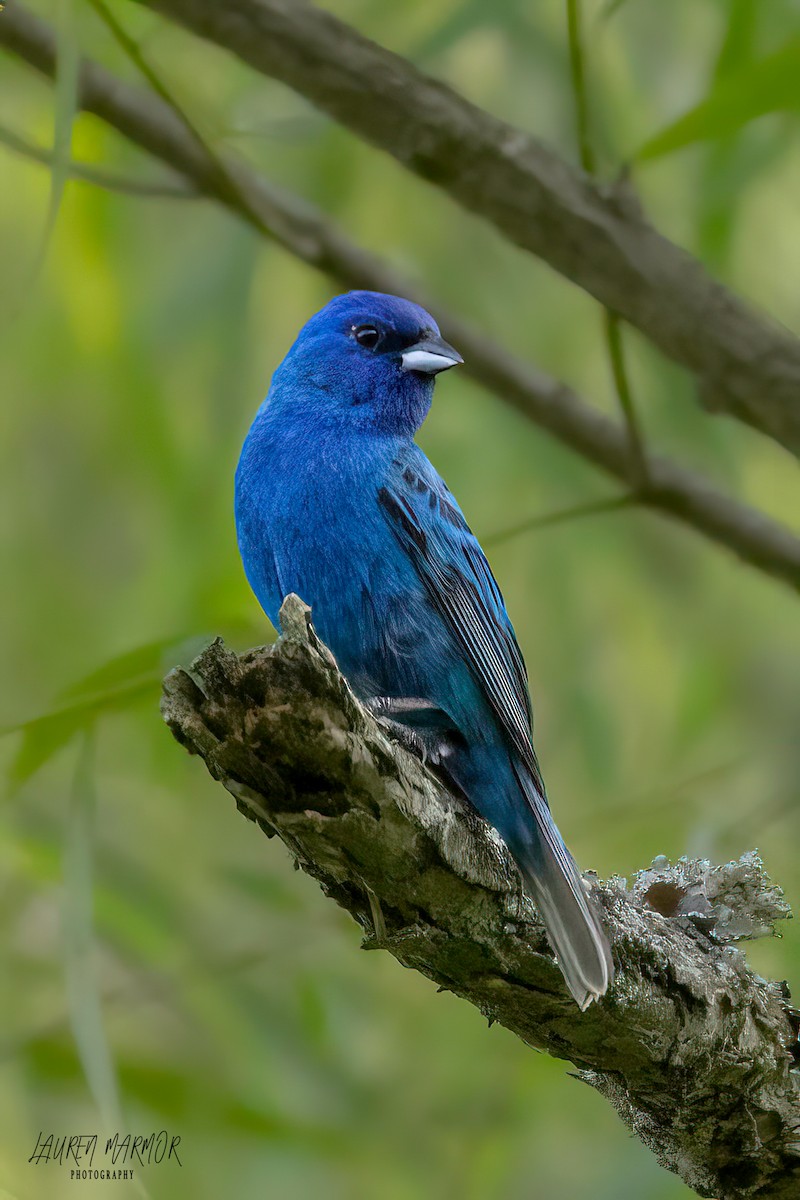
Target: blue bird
(337,503)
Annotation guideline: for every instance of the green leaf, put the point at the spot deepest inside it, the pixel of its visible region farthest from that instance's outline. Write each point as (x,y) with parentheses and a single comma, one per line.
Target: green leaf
(767,86)
(731,163)
(740,40)
(42,738)
(115,685)
(154,658)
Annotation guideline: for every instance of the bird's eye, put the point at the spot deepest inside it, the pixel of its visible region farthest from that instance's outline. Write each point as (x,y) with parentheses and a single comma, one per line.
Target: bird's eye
(367,336)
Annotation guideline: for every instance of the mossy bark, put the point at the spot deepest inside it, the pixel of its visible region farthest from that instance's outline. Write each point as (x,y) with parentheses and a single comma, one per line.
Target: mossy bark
(696,1052)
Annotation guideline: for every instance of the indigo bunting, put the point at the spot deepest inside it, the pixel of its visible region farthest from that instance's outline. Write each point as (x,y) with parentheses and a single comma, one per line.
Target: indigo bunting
(337,503)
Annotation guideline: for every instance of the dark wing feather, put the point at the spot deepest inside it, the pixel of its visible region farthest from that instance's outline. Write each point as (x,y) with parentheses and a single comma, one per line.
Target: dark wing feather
(458,580)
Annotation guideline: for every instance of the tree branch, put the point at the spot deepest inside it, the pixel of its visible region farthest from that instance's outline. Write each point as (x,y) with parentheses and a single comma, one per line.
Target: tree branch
(696,1052)
(671,489)
(592,233)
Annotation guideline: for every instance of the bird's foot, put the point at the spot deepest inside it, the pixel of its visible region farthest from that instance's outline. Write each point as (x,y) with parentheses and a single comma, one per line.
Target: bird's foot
(385,709)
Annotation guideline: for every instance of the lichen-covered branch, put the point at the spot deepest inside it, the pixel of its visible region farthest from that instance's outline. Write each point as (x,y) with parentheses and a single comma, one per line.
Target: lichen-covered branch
(696,1052)
(593,233)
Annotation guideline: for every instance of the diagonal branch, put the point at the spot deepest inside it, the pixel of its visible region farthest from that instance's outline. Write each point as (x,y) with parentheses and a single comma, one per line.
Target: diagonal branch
(696,1052)
(671,489)
(592,233)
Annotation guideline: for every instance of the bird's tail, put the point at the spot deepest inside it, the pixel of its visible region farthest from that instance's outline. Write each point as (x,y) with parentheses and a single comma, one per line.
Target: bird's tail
(569,913)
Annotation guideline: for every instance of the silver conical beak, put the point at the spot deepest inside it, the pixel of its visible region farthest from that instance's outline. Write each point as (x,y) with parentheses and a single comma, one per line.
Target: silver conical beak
(430,355)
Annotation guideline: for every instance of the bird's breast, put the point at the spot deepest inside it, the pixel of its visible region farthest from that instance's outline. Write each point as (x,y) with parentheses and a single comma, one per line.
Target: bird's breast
(309,522)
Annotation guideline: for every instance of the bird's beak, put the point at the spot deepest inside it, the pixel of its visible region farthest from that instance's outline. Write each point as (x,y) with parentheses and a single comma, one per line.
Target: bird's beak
(430,355)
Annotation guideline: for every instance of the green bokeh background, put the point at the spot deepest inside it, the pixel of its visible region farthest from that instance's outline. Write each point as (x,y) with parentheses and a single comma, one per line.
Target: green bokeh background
(236,1008)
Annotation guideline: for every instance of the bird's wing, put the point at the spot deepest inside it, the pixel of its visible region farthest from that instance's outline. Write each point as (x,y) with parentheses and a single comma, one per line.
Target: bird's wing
(429,525)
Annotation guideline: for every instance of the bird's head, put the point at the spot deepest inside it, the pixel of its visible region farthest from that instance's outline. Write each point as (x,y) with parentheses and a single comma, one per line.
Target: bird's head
(366,359)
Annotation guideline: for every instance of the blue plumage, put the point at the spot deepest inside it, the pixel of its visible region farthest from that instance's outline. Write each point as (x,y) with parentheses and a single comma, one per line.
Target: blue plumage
(336,502)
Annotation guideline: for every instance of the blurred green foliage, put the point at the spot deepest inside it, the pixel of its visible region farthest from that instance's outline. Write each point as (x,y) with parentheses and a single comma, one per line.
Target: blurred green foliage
(236,1008)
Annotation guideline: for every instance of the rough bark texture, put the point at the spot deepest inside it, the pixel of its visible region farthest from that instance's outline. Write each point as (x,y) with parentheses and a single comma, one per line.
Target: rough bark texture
(697,1053)
(671,489)
(594,234)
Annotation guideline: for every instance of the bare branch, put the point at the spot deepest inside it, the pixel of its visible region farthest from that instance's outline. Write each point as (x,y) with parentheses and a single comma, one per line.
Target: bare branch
(671,489)
(695,1051)
(592,233)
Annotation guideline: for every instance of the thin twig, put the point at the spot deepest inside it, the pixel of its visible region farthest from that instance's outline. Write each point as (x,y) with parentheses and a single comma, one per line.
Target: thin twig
(616,357)
(611,322)
(575,512)
(579,90)
(227,179)
(132,50)
(99,176)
